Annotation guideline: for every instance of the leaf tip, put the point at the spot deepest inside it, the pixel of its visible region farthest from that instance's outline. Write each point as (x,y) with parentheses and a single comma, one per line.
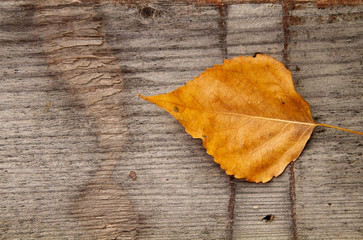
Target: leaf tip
(144,97)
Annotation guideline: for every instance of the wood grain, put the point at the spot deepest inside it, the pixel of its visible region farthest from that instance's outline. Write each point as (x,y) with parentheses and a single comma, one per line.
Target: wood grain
(180,193)
(258,29)
(72,127)
(328,178)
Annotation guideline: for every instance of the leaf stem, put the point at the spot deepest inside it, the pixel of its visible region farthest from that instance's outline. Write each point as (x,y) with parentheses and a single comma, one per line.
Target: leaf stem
(344,129)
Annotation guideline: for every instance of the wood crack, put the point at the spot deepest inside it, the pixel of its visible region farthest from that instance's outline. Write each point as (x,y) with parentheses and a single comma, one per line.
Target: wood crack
(287,6)
(223,13)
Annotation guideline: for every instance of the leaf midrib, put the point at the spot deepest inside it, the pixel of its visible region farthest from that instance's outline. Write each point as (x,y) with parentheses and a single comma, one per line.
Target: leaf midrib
(249,116)
(269,119)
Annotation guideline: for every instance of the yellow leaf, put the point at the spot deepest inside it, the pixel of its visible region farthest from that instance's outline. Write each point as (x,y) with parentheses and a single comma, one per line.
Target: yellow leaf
(248,114)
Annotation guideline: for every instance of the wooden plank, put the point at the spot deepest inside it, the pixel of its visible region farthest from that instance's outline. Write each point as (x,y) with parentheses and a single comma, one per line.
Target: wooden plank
(326,56)
(258,28)
(55,181)
(180,193)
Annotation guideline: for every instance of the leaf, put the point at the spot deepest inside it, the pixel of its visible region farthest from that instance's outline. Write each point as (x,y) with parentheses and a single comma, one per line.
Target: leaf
(248,114)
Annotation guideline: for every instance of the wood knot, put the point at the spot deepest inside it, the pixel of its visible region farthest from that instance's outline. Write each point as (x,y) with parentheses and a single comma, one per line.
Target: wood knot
(148,12)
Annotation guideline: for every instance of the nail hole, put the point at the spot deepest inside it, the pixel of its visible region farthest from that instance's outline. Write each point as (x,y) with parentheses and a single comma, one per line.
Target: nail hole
(176,109)
(268,218)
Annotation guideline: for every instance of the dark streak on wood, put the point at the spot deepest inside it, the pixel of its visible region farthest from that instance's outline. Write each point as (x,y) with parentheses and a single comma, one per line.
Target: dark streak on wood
(231,206)
(223,12)
(293,200)
(334,3)
(287,6)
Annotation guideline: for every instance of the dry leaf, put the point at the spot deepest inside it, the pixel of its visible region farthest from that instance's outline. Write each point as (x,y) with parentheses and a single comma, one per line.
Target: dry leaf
(248,113)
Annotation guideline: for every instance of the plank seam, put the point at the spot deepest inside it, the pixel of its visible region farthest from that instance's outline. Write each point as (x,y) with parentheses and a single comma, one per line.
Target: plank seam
(223,13)
(287,7)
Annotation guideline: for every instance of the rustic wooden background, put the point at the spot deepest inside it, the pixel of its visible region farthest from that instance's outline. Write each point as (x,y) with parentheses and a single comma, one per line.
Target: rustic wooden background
(82,157)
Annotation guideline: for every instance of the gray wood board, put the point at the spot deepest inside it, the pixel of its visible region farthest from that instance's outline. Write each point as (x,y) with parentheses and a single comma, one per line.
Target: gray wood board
(72,126)
(329,180)
(259,28)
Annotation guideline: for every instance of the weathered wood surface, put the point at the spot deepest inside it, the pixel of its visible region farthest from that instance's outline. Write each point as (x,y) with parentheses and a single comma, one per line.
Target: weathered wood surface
(72,126)
(329,181)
